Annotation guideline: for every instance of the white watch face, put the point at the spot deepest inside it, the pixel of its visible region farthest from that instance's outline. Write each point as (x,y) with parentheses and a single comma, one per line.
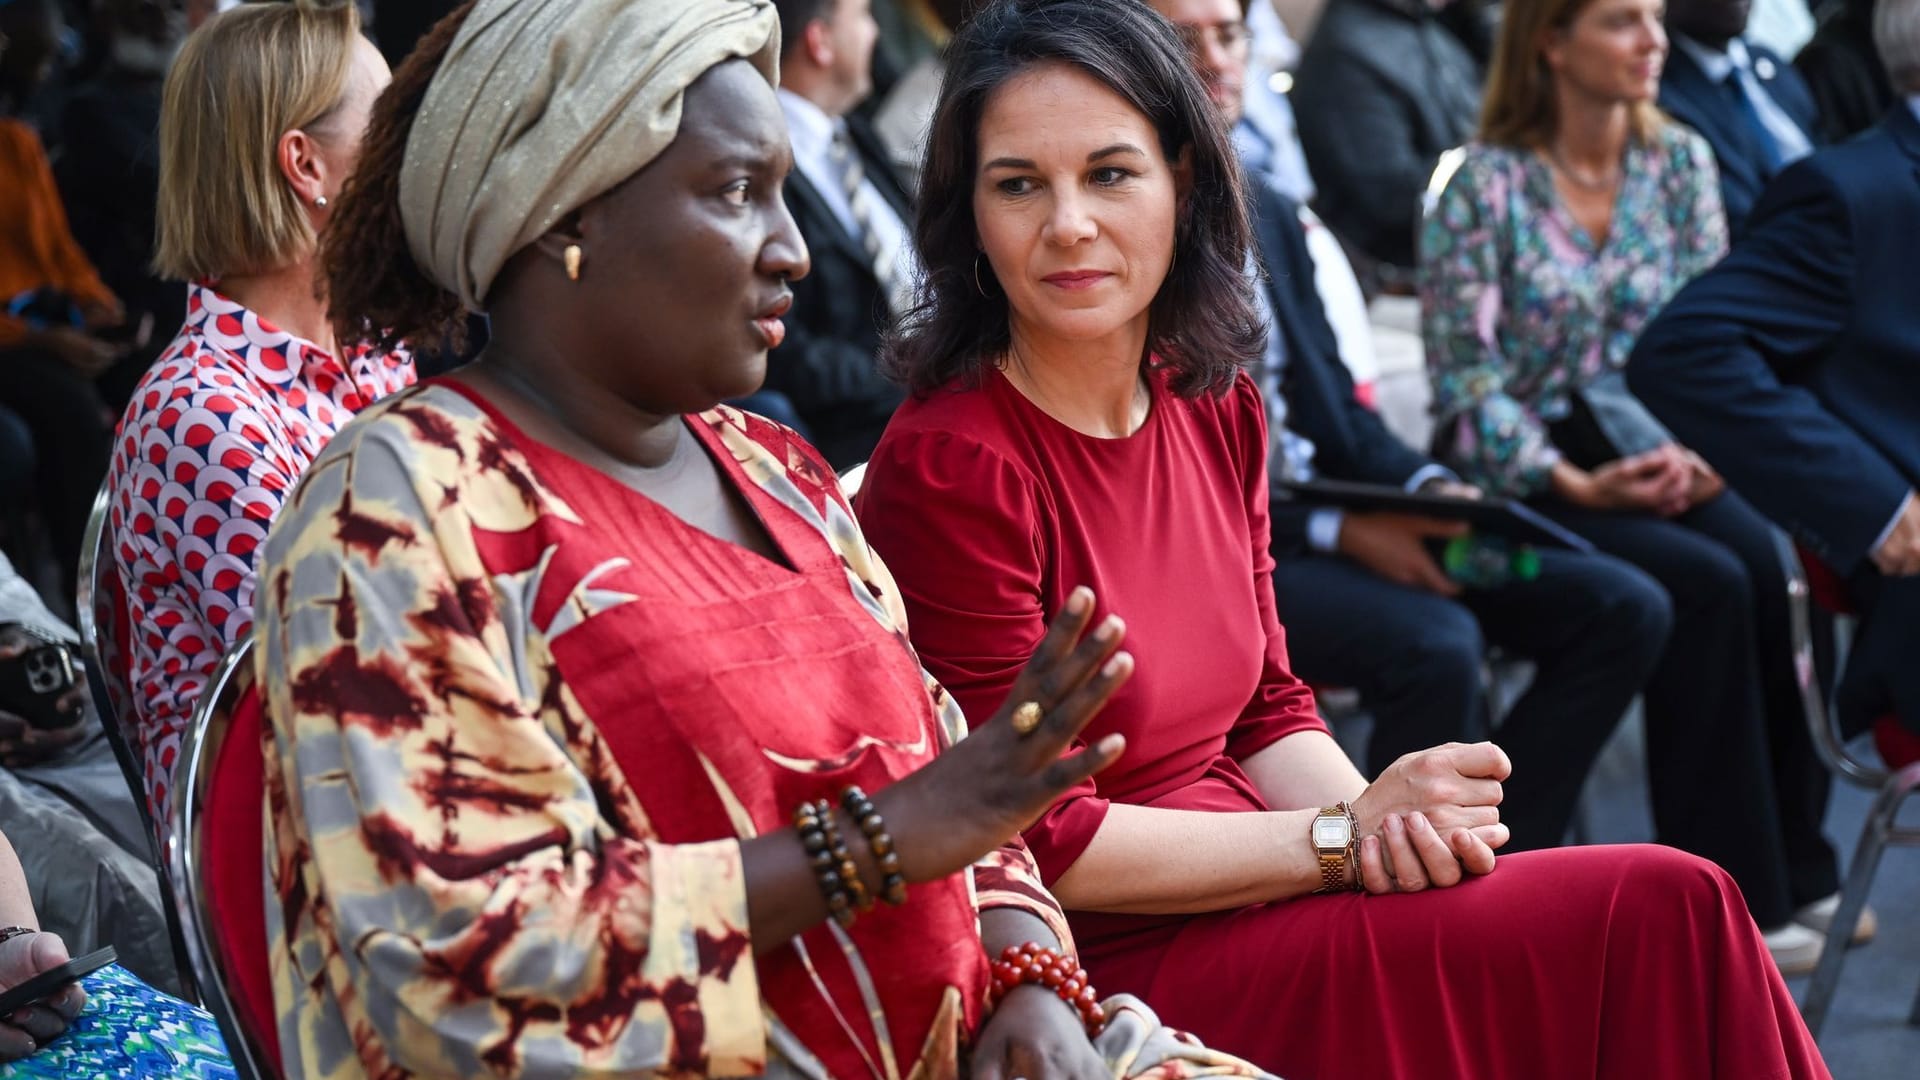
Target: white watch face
(1331,832)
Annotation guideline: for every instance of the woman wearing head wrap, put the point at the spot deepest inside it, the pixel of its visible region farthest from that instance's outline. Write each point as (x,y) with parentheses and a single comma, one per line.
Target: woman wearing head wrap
(558,652)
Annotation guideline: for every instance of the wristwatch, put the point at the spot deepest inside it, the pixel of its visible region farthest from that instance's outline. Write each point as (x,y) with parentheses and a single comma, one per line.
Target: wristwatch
(1333,833)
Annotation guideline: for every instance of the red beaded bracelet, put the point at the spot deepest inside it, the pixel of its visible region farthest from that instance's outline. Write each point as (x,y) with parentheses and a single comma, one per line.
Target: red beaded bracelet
(1020,965)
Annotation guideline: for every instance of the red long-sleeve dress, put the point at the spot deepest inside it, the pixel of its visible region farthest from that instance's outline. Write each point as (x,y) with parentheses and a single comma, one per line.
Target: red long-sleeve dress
(1636,962)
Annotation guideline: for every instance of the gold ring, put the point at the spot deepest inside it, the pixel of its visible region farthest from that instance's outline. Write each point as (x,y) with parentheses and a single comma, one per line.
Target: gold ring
(1026,718)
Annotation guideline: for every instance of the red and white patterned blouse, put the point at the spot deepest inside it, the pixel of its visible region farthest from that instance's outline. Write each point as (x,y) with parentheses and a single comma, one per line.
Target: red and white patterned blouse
(214,438)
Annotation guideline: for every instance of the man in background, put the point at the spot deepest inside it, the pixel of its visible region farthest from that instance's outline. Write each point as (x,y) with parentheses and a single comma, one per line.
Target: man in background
(854,212)
(1794,367)
(1384,88)
(1364,602)
(1752,107)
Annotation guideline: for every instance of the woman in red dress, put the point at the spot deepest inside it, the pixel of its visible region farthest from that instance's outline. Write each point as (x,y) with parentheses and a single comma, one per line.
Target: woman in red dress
(568,669)
(1081,417)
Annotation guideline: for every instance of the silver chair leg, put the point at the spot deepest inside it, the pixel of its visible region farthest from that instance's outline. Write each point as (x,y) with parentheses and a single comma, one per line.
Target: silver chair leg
(1874,833)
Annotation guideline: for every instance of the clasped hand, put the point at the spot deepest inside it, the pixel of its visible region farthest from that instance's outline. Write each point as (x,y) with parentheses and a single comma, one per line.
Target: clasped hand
(1432,818)
(1668,480)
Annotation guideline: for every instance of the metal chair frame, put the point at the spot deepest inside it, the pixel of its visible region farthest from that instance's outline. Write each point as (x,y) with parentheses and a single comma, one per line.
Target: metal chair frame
(100,605)
(186,856)
(1891,789)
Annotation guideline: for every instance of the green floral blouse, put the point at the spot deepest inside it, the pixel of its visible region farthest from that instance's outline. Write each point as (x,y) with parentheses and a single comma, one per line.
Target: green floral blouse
(1521,307)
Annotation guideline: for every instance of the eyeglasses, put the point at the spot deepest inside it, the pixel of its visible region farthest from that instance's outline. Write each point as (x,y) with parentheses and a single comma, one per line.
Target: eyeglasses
(1228,37)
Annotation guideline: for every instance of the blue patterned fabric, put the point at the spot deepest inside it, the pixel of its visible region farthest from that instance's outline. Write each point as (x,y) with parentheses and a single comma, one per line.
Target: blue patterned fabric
(129,1029)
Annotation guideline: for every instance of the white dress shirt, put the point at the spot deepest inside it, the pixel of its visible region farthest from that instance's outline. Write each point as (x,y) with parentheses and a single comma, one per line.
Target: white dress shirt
(1785,26)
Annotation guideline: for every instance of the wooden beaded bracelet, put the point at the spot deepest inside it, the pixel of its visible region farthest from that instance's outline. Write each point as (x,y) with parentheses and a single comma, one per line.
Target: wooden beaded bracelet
(842,858)
(1020,965)
(833,867)
(893,883)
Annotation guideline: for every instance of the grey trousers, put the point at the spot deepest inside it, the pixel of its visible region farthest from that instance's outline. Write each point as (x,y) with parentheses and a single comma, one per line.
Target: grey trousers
(87,860)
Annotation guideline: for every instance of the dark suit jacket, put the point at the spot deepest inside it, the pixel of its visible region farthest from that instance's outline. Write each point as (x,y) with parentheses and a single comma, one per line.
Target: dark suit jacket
(1794,365)
(1382,91)
(1350,440)
(827,365)
(1710,109)
(1843,70)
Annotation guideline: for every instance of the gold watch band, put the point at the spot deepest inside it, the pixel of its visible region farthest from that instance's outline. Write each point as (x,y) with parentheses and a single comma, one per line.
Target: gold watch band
(1333,872)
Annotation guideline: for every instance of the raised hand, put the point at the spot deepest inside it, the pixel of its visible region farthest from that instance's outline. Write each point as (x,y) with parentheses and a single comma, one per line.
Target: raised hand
(977,795)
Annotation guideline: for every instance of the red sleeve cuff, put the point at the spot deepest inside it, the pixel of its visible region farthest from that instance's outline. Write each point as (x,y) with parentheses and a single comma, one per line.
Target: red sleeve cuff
(1061,836)
(1250,736)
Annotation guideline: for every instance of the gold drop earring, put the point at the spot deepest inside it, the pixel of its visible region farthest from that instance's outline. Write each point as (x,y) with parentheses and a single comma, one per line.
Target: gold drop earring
(572,258)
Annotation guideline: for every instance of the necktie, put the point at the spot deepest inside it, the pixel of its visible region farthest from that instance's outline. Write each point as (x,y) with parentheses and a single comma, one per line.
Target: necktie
(882,255)
(1774,131)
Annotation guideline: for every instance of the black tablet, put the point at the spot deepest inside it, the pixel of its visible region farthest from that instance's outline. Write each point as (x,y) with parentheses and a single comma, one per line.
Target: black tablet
(1504,518)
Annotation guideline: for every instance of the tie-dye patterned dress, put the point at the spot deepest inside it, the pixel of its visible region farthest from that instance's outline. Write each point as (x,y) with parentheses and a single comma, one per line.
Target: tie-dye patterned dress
(520,719)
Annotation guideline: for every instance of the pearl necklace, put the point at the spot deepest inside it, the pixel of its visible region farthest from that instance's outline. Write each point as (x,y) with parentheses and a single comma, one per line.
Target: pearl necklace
(1604,184)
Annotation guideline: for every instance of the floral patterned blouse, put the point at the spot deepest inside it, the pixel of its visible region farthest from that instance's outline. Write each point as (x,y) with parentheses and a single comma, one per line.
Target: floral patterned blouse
(521,719)
(214,436)
(1521,308)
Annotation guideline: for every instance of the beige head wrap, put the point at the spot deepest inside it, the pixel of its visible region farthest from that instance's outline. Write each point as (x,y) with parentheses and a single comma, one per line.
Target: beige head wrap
(541,105)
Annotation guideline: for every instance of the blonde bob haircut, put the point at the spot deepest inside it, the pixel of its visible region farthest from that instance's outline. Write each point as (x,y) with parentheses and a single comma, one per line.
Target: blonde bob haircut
(1518,109)
(247,77)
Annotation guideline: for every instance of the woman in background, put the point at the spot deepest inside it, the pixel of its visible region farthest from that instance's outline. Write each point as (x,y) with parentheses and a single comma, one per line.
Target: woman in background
(260,126)
(1570,222)
(1082,414)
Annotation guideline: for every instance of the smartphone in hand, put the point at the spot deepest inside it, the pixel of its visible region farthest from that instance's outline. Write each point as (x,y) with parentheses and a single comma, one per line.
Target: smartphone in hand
(53,980)
(33,683)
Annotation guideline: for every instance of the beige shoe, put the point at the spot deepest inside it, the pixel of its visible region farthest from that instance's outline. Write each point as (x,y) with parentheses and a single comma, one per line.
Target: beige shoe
(1796,949)
(1818,917)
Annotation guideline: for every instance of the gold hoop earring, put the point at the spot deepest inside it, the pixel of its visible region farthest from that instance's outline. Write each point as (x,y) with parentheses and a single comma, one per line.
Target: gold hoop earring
(572,259)
(976,278)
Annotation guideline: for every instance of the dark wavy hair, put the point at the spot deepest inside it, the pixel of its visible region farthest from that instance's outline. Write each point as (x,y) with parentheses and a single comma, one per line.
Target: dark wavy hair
(1203,324)
(378,293)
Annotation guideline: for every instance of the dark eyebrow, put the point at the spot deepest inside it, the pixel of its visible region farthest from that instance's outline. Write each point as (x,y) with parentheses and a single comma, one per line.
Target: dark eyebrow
(1105,151)
(772,159)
